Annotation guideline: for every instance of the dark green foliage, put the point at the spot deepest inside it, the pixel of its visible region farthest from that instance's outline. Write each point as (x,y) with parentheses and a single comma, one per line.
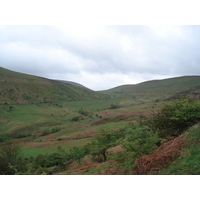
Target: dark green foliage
(119,134)
(83,112)
(23,135)
(112,106)
(157,100)
(140,141)
(10,159)
(26,97)
(46,132)
(77,153)
(87,148)
(55,130)
(75,119)
(99,146)
(52,159)
(3,138)
(56,159)
(174,118)
(125,162)
(11,108)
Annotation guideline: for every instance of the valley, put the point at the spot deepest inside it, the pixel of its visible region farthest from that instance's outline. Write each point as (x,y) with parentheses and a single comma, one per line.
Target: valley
(53,120)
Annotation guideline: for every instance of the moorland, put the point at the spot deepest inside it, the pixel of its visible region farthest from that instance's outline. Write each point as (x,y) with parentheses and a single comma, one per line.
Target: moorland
(56,127)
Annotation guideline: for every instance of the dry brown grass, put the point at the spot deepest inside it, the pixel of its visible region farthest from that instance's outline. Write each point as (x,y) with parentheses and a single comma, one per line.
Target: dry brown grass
(162,158)
(84,168)
(80,135)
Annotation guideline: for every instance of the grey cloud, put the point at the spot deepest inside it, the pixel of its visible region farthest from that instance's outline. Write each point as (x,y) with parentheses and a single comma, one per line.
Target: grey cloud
(121,50)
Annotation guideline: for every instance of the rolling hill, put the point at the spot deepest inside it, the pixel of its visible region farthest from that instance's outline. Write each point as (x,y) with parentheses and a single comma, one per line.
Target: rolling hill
(18,88)
(79,121)
(72,83)
(158,89)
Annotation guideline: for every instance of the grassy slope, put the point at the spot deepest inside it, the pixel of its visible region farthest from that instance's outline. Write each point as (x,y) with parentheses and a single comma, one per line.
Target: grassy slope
(161,89)
(37,118)
(18,88)
(188,163)
(183,154)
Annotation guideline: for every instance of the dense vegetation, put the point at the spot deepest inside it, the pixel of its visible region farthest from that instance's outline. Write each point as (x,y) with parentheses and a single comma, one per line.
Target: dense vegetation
(137,139)
(174,118)
(18,88)
(139,129)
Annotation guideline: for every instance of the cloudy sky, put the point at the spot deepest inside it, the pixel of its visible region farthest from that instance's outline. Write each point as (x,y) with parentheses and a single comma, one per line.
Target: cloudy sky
(101,57)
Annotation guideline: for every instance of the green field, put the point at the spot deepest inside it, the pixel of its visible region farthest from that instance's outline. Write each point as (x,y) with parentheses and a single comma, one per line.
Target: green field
(46,116)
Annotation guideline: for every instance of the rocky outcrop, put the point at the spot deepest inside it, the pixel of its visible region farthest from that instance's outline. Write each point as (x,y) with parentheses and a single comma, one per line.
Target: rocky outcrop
(62,166)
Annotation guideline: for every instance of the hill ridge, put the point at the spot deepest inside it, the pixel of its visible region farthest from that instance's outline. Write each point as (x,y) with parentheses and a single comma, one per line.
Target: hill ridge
(20,88)
(153,89)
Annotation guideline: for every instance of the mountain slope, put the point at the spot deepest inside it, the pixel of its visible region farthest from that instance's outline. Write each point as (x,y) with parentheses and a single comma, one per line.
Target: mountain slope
(158,88)
(72,83)
(18,88)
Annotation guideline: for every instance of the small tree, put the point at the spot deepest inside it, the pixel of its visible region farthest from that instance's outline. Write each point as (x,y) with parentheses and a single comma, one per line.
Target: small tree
(10,159)
(100,144)
(112,106)
(174,118)
(77,153)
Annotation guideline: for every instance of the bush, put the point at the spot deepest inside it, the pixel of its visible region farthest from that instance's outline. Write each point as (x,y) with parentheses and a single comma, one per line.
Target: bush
(55,130)
(75,119)
(174,118)
(11,161)
(46,132)
(3,138)
(140,141)
(50,160)
(99,146)
(23,135)
(83,112)
(77,153)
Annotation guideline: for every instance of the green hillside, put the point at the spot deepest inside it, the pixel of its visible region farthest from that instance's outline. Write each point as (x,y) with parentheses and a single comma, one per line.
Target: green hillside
(162,89)
(18,88)
(129,129)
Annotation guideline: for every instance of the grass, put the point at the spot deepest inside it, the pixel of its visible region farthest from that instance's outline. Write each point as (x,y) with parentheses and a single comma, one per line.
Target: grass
(51,147)
(37,118)
(66,101)
(34,152)
(18,88)
(150,91)
(189,162)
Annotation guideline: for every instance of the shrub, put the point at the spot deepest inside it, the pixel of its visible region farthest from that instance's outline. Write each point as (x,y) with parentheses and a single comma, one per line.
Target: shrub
(50,160)
(23,135)
(75,119)
(77,153)
(55,130)
(140,141)
(83,112)
(3,138)
(11,161)
(100,144)
(46,132)
(174,118)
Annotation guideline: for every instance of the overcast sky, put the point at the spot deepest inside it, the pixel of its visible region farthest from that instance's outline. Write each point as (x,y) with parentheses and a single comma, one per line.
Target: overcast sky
(101,57)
